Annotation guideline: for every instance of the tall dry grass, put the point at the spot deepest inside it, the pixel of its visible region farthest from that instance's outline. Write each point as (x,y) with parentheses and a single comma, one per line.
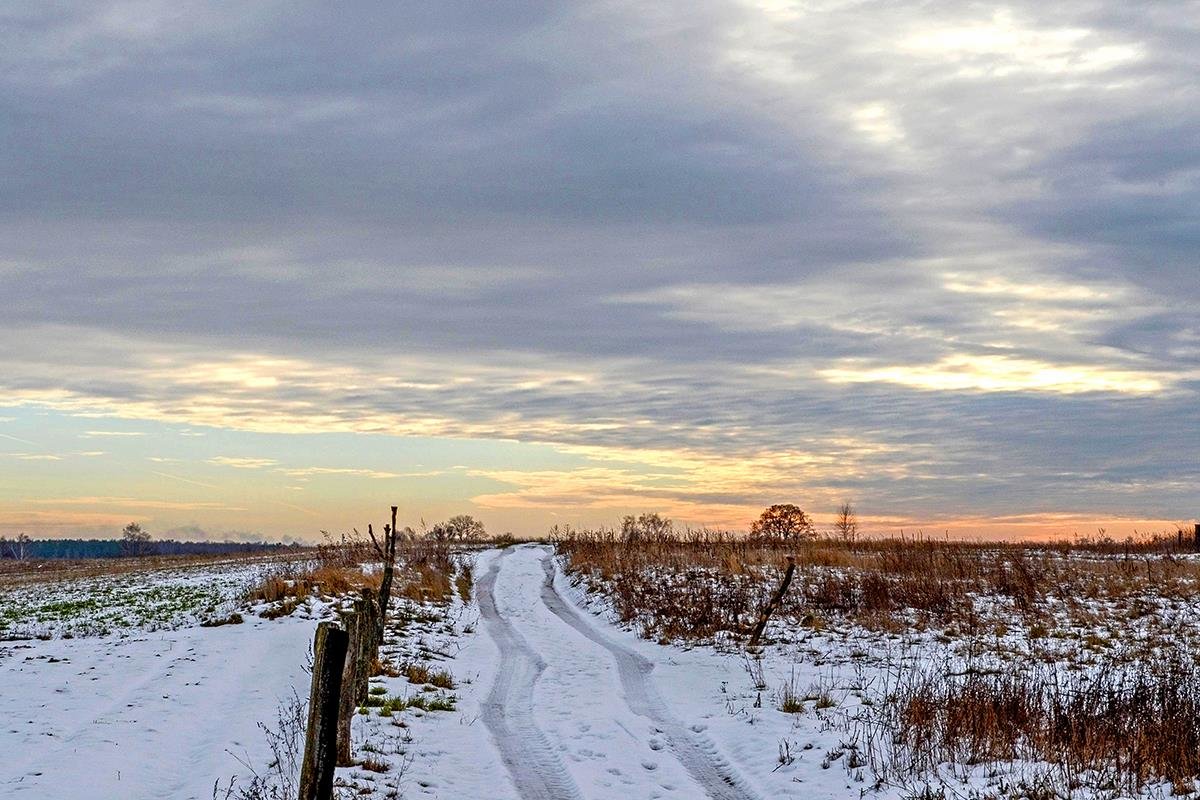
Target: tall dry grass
(1112,727)
(699,583)
(425,572)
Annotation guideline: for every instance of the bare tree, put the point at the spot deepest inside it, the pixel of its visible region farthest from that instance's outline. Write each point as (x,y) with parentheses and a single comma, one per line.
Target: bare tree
(645,526)
(460,528)
(783,521)
(846,524)
(465,528)
(16,549)
(135,541)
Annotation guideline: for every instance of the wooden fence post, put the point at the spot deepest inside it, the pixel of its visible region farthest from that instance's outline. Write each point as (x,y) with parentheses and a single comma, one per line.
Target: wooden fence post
(371,640)
(348,703)
(774,604)
(320,742)
(1197,540)
(363,648)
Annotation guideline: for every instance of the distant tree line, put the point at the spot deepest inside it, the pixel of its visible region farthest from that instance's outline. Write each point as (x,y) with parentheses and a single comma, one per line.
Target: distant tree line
(22,547)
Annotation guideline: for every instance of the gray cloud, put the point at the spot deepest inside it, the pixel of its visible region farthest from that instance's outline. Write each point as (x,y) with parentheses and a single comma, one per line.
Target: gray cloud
(701,210)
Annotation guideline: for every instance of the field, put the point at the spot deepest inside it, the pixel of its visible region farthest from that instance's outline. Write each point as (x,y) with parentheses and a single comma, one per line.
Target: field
(100,597)
(595,666)
(977,670)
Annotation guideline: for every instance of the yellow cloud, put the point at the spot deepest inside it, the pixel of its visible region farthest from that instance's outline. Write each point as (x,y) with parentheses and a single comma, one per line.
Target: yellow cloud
(243,463)
(692,486)
(1002,374)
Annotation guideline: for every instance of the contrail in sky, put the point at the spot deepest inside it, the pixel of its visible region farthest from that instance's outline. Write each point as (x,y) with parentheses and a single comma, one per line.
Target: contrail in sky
(17,439)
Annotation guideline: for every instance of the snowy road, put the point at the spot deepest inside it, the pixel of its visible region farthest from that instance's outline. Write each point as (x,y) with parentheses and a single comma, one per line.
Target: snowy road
(562,679)
(553,702)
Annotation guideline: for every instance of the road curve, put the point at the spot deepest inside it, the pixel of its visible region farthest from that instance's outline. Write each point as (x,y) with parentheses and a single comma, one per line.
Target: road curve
(507,712)
(698,755)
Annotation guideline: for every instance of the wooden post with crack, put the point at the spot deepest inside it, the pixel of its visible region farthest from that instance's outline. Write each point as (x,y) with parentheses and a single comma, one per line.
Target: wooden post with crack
(361,653)
(348,703)
(368,646)
(320,743)
(776,599)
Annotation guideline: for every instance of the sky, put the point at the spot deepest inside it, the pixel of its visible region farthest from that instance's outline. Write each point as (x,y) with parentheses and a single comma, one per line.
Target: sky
(267,269)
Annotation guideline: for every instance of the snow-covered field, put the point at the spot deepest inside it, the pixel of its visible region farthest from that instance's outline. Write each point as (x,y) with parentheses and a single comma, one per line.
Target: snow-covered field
(550,698)
(136,600)
(144,715)
(112,689)
(555,702)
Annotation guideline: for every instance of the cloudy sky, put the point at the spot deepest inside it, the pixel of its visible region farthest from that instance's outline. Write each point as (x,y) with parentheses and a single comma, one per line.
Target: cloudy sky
(267,268)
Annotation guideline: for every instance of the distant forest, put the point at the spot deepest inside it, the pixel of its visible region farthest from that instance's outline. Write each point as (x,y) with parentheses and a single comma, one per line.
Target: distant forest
(112,548)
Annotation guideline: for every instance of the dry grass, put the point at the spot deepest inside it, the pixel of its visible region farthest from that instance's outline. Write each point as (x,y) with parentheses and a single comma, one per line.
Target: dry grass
(423,675)
(20,573)
(385,668)
(423,583)
(699,583)
(1076,660)
(464,581)
(286,589)
(424,572)
(372,764)
(1121,727)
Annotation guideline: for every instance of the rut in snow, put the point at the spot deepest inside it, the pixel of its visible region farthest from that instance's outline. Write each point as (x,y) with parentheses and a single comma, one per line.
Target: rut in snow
(507,712)
(699,756)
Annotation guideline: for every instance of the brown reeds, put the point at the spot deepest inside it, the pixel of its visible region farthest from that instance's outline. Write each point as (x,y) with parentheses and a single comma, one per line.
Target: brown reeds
(1119,727)
(695,584)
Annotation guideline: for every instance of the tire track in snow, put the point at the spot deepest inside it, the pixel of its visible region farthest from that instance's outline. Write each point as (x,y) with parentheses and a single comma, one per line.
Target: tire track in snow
(507,711)
(698,754)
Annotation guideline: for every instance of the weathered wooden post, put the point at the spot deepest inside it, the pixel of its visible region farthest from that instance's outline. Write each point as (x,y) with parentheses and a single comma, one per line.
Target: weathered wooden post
(1197,539)
(348,696)
(320,743)
(371,640)
(361,652)
(774,604)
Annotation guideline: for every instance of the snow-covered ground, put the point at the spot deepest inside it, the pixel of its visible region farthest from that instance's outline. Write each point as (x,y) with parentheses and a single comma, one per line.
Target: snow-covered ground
(143,600)
(551,699)
(554,702)
(146,715)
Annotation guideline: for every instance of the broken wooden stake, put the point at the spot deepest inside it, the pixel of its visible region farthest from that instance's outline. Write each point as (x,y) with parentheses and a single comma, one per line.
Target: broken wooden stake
(776,599)
(348,696)
(320,743)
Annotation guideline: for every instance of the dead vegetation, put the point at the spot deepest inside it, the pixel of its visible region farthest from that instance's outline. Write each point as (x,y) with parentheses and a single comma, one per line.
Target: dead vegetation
(698,584)
(1115,727)
(298,581)
(426,570)
(1075,661)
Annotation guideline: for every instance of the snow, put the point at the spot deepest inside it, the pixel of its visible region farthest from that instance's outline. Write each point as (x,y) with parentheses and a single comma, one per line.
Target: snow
(154,600)
(155,715)
(551,700)
(588,710)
